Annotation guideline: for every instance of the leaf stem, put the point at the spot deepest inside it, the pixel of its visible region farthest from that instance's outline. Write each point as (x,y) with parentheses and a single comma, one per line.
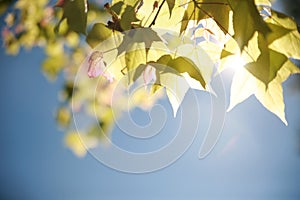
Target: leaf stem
(159,8)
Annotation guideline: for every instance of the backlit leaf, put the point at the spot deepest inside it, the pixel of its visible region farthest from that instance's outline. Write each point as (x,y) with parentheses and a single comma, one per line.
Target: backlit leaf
(289,43)
(181,65)
(171,4)
(246,21)
(267,64)
(245,84)
(98,34)
(203,9)
(127,18)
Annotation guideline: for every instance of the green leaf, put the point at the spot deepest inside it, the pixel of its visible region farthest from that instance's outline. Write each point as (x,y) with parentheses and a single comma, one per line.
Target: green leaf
(219,12)
(53,65)
(176,88)
(117,7)
(207,9)
(181,65)
(127,18)
(276,32)
(246,21)
(189,14)
(98,34)
(225,53)
(138,71)
(289,43)
(4,5)
(141,35)
(263,3)
(267,64)
(75,12)
(134,57)
(171,4)
(245,84)
(79,143)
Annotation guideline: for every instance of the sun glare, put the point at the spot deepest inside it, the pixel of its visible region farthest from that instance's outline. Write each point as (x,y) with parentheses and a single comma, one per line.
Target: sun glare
(238,63)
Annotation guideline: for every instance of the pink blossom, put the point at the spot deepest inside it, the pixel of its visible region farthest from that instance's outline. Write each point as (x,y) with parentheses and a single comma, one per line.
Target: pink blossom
(5,32)
(97,66)
(48,15)
(149,74)
(60,3)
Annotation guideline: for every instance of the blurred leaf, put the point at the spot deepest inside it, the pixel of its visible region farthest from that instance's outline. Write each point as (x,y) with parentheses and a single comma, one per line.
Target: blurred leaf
(4,5)
(63,117)
(75,12)
(53,65)
(80,143)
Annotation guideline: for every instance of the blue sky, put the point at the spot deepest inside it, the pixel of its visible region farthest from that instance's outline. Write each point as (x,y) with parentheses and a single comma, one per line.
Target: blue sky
(257,156)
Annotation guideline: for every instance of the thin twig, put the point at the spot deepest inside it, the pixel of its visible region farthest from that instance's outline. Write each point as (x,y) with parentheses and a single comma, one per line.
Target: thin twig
(207,3)
(159,8)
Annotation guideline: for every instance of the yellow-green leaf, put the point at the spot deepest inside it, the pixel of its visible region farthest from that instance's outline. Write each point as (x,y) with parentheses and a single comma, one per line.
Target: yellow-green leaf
(98,34)
(244,84)
(246,21)
(127,18)
(181,65)
(171,4)
(289,43)
(75,12)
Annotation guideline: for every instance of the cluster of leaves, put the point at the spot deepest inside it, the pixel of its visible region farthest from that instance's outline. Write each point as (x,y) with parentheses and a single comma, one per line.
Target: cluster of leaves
(168,44)
(249,31)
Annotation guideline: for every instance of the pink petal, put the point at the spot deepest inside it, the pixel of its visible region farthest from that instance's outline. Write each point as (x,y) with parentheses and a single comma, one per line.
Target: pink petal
(96,64)
(149,74)
(108,76)
(94,71)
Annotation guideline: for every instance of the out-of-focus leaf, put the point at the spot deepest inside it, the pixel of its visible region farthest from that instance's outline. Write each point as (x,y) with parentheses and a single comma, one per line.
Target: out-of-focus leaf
(4,4)
(63,116)
(80,143)
(75,12)
(53,65)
